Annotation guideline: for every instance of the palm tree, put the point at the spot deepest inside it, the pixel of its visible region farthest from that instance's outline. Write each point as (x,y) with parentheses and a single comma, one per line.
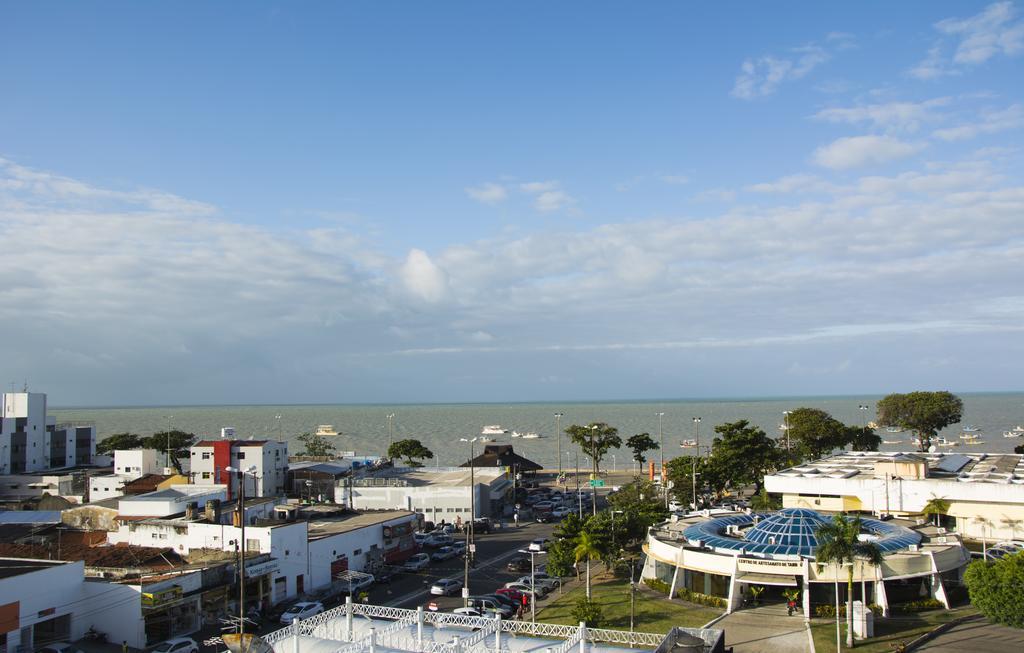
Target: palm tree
(1013,525)
(586,547)
(985,524)
(838,543)
(936,507)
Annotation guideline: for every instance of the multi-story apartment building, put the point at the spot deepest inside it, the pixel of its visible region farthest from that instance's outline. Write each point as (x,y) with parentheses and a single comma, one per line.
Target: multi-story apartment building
(210,459)
(30,441)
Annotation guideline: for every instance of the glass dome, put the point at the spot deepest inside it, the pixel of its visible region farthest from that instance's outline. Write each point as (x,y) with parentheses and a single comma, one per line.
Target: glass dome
(788,527)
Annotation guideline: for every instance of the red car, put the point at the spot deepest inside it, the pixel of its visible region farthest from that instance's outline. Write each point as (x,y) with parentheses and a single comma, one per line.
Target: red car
(515,595)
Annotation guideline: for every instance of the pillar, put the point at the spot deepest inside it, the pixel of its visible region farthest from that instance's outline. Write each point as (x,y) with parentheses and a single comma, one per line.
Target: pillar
(295,635)
(348,618)
(419,627)
(373,640)
(583,637)
(734,589)
(497,633)
(805,595)
(880,597)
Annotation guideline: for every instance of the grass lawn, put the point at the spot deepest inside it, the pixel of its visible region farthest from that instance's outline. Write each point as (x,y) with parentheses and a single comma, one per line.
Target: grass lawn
(654,614)
(888,632)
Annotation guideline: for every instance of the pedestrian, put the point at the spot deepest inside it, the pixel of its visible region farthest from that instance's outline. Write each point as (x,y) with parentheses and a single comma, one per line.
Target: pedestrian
(124,646)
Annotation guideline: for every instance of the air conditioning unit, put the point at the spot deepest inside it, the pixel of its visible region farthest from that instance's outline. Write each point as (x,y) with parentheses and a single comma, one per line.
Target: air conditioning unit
(732,529)
(913,547)
(941,540)
(941,530)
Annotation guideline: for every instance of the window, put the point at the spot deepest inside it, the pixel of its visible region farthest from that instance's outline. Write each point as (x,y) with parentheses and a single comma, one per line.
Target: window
(241,455)
(206,476)
(252,545)
(357,552)
(206,455)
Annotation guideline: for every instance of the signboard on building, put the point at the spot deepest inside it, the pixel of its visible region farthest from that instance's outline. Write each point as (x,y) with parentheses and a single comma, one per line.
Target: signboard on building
(786,567)
(153,599)
(261,568)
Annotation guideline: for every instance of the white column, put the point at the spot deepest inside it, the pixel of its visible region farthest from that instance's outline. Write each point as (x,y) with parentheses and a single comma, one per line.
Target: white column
(880,597)
(675,572)
(938,588)
(348,618)
(734,586)
(806,587)
(373,640)
(583,637)
(295,635)
(497,633)
(419,627)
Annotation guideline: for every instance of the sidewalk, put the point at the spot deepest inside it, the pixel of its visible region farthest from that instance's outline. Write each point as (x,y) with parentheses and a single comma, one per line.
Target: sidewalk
(976,634)
(765,629)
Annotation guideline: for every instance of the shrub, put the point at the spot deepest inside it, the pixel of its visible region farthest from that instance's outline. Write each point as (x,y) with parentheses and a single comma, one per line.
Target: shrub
(918,606)
(700,599)
(828,610)
(588,612)
(659,586)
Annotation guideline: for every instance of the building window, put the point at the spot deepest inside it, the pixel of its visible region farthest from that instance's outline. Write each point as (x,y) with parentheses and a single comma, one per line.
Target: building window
(206,476)
(241,455)
(357,552)
(252,545)
(206,455)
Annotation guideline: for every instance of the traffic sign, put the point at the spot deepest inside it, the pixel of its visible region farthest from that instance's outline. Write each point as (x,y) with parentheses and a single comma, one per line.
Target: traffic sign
(465,592)
(597,482)
(432,606)
(472,548)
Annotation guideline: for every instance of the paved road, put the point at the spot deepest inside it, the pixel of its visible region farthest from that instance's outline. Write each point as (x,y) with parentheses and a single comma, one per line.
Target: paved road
(976,634)
(765,629)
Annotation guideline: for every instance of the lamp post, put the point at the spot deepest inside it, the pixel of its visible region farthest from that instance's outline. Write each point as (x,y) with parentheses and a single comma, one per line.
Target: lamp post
(472,518)
(240,476)
(614,512)
(593,479)
(661,448)
(277,420)
(613,463)
(391,430)
(696,433)
(533,581)
(785,420)
(863,415)
(558,442)
(579,494)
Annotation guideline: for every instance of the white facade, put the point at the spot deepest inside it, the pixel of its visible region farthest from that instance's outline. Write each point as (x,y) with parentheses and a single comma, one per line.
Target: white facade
(210,458)
(31,442)
(129,464)
(57,599)
(436,494)
(170,501)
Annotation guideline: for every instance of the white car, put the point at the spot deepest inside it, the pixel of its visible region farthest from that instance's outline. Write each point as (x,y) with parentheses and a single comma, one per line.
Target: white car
(64,647)
(527,588)
(301,610)
(540,544)
(416,562)
(475,612)
(360,582)
(175,645)
(559,513)
(437,540)
(446,587)
(545,585)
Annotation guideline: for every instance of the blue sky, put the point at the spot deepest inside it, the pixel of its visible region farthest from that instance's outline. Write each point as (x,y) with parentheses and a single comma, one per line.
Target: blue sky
(384,201)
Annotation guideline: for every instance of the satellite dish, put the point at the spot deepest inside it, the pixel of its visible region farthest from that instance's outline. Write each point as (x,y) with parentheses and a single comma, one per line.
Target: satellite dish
(932,449)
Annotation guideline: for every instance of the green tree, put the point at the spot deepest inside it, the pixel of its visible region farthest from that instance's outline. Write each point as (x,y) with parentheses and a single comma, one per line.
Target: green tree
(839,543)
(744,454)
(936,507)
(561,555)
(641,508)
(995,588)
(119,441)
(679,472)
(586,549)
(813,433)
(316,445)
(862,438)
(596,439)
(175,442)
(410,449)
(924,413)
(587,611)
(763,502)
(640,444)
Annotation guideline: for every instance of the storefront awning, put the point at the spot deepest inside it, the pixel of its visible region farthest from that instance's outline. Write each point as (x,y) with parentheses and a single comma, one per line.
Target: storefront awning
(768,579)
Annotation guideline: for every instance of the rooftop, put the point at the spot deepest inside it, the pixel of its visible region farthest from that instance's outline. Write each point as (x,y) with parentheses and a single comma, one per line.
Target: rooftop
(1001,468)
(11,567)
(344,523)
(235,443)
(446,476)
(176,492)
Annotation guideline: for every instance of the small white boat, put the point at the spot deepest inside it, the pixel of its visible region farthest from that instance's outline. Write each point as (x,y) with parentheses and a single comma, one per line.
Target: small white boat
(493,429)
(974,441)
(688,444)
(326,430)
(1012,434)
(1018,429)
(530,436)
(892,441)
(970,428)
(970,437)
(485,439)
(943,442)
(893,429)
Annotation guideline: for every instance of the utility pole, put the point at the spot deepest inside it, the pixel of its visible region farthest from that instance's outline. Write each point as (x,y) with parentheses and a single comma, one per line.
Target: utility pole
(661,450)
(558,442)
(579,494)
(593,479)
(391,430)
(472,518)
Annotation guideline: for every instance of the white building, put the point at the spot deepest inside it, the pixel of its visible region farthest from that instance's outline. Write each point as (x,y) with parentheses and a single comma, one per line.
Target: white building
(209,460)
(45,601)
(172,501)
(985,491)
(438,494)
(129,464)
(30,441)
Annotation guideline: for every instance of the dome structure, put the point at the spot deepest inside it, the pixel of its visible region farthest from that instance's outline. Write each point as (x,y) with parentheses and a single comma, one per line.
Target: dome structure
(787,527)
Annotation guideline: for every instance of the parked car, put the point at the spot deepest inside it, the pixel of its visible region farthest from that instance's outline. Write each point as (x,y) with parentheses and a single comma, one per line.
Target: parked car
(492,603)
(505,600)
(444,553)
(301,610)
(544,585)
(482,525)
(561,512)
(544,505)
(543,576)
(446,587)
(416,562)
(444,529)
(539,544)
(526,588)
(437,540)
(515,594)
(420,538)
(357,583)
(543,518)
(64,647)
(384,575)
(475,612)
(459,546)
(518,564)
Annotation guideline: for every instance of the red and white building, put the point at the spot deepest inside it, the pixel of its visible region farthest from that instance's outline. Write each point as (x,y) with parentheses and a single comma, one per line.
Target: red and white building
(210,459)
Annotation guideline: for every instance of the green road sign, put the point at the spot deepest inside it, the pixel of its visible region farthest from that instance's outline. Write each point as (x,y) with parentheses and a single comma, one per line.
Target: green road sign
(597,482)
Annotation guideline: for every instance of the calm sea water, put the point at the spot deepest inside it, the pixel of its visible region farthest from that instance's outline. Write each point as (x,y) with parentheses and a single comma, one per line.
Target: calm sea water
(439,426)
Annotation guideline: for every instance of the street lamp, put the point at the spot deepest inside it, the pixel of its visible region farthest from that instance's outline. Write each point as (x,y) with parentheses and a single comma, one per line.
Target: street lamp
(391,430)
(472,517)
(593,460)
(558,442)
(785,419)
(614,512)
(240,475)
(696,433)
(863,415)
(277,419)
(661,437)
(533,580)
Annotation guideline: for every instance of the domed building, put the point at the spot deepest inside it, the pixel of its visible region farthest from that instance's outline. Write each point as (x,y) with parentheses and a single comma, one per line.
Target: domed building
(723,553)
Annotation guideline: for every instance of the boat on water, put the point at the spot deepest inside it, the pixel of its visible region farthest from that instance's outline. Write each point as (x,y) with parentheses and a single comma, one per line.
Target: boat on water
(970,437)
(872,425)
(893,429)
(943,442)
(970,428)
(531,436)
(326,430)
(493,429)
(1012,434)
(892,441)
(688,444)
(485,439)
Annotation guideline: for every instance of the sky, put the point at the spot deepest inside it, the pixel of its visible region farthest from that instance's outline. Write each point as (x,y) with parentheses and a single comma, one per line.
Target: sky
(386,202)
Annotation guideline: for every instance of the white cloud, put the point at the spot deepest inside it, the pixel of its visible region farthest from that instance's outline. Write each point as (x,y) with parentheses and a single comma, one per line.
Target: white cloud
(548,196)
(799,183)
(857,151)
(422,277)
(995,31)
(889,116)
(489,193)
(989,122)
(675,180)
(762,76)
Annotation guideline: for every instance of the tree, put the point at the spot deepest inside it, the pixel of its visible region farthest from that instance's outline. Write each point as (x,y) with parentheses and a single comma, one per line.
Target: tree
(935,507)
(640,444)
(744,454)
(121,441)
(641,508)
(763,502)
(813,433)
(587,611)
(995,588)
(679,472)
(316,445)
(839,543)
(561,555)
(410,450)
(586,548)
(175,442)
(924,413)
(596,439)
(862,438)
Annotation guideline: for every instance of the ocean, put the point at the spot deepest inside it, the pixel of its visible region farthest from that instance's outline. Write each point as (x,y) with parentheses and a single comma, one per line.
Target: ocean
(364,428)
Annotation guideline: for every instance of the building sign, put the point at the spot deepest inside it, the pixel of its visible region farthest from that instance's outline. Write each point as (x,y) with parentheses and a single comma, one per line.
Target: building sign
(787,567)
(398,530)
(153,599)
(261,568)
